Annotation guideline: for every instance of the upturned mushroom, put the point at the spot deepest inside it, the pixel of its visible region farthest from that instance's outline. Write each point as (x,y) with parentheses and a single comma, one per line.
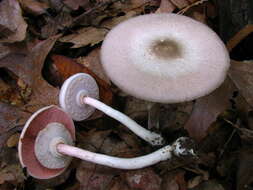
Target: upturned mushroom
(46,147)
(79,98)
(165,58)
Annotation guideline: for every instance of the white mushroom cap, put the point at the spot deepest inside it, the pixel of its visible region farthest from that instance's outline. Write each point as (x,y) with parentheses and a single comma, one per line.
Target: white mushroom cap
(164,58)
(73,90)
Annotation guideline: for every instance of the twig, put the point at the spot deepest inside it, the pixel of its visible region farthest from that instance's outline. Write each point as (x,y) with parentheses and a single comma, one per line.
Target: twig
(182,11)
(82,16)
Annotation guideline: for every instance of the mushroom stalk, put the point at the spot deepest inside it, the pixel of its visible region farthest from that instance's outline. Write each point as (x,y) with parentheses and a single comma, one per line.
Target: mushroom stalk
(150,137)
(78,97)
(162,154)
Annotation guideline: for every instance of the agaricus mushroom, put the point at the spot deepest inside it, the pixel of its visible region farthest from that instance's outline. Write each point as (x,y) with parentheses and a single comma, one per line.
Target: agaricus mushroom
(165,58)
(78,97)
(46,147)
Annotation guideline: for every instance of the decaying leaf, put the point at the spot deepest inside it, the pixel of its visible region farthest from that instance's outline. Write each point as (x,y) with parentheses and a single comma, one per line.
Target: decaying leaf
(92,35)
(241,73)
(27,66)
(244,177)
(12,24)
(11,174)
(62,20)
(180,3)
(93,177)
(92,62)
(13,140)
(143,179)
(210,185)
(174,180)
(33,6)
(75,4)
(207,108)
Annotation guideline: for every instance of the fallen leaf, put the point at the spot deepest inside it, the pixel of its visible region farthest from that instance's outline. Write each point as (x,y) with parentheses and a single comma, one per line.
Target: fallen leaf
(92,62)
(209,185)
(13,140)
(241,73)
(34,7)
(207,108)
(54,24)
(75,4)
(93,177)
(180,3)
(169,117)
(194,182)
(27,66)
(12,24)
(119,184)
(244,177)
(10,117)
(136,5)
(143,179)
(174,180)
(91,35)
(11,174)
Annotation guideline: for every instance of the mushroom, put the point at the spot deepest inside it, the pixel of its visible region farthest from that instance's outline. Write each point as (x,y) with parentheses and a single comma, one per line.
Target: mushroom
(46,147)
(164,58)
(78,97)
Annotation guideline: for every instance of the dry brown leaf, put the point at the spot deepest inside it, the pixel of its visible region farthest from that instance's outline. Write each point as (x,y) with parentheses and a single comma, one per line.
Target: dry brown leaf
(174,180)
(12,174)
(34,7)
(241,73)
(143,179)
(62,20)
(75,4)
(13,140)
(210,185)
(180,3)
(91,35)
(119,184)
(27,66)
(93,177)
(137,5)
(207,108)
(92,62)
(194,181)
(10,117)
(244,174)
(12,24)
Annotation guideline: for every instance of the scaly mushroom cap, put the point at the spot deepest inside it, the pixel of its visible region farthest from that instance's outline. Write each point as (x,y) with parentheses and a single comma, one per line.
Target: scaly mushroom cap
(36,123)
(164,58)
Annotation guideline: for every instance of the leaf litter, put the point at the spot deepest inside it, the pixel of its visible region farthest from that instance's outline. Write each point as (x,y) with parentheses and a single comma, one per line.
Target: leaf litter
(42,43)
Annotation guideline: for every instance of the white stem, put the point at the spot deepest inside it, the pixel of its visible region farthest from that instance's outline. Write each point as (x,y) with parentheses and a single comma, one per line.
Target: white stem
(162,154)
(115,162)
(151,137)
